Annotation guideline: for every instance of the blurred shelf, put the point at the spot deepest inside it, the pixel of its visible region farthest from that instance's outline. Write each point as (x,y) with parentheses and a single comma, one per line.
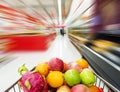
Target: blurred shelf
(103,66)
(5,58)
(110,35)
(115,33)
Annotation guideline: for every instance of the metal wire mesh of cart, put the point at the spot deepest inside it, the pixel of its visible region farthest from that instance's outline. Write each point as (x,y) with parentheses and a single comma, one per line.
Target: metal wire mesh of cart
(100,82)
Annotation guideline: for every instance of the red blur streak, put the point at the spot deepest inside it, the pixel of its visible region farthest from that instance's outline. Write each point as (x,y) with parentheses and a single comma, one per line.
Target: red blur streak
(7,8)
(25,15)
(19,16)
(13,11)
(29,43)
(15,19)
(10,13)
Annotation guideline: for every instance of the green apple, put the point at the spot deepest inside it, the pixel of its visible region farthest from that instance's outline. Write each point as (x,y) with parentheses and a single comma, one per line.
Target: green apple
(72,77)
(87,77)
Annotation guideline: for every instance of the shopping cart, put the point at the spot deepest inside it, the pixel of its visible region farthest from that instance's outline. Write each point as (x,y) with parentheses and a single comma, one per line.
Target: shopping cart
(100,82)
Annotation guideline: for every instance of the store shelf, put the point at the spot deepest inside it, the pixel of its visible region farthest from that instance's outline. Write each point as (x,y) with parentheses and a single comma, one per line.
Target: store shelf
(104,67)
(110,35)
(114,33)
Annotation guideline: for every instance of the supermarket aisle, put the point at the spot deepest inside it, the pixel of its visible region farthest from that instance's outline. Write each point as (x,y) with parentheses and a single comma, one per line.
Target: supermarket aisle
(61,47)
(64,49)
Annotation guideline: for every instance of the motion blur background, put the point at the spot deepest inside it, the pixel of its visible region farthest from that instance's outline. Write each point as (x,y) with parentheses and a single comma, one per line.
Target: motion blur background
(30,25)
(84,18)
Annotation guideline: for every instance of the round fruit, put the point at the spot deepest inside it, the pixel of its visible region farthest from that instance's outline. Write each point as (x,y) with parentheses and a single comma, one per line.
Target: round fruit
(63,88)
(73,65)
(56,64)
(42,68)
(94,89)
(80,88)
(72,77)
(55,79)
(82,63)
(87,77)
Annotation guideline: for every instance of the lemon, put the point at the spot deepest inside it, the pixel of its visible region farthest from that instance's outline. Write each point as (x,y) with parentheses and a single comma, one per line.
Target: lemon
(42,68)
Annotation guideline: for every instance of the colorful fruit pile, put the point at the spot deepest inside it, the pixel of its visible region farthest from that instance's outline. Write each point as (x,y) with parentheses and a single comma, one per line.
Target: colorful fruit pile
(58,76)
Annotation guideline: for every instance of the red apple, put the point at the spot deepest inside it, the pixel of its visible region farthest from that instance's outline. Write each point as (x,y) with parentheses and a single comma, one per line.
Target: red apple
(80,88)
(73,65)
(56,64)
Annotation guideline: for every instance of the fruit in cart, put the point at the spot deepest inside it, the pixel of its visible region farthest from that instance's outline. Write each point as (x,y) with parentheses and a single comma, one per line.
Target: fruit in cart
(80,88)
(64,68)
(55,79)
(64,88)
(42,68)
(23,69)
(94,89)
(101,89)
(82,63)
(72,77)
(51,89)
(73,65)
(33,82)
(87,77)
(56,64)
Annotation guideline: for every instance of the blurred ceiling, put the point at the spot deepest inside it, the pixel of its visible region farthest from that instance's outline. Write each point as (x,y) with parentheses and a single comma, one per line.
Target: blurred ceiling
(47,13)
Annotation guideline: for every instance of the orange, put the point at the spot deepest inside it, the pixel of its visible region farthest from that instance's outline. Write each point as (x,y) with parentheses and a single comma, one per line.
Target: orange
(82,63)
(55,79)
(42,68)
(94,89)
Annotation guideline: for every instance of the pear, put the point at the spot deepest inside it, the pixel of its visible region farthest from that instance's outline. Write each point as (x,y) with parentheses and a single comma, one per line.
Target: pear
(87,77)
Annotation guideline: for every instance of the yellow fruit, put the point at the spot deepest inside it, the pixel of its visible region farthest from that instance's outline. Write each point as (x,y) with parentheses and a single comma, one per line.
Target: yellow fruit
(55,79)
(42,68)
(63,88)
(82,63)
(94,89)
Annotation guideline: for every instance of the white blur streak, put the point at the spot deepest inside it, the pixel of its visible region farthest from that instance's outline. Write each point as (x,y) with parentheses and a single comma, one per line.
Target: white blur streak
(60,11)
(73,15)
(79,23)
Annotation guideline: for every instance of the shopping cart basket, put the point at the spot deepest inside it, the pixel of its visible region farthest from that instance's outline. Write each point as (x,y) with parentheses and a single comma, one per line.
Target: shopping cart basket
(100,82)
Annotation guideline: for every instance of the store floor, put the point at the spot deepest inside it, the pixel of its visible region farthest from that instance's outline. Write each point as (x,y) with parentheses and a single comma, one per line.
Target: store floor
(61,47)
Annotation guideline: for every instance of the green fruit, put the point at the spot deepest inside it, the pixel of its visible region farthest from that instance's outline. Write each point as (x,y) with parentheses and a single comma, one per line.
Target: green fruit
(72,77)
(23,69)
(87,77)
